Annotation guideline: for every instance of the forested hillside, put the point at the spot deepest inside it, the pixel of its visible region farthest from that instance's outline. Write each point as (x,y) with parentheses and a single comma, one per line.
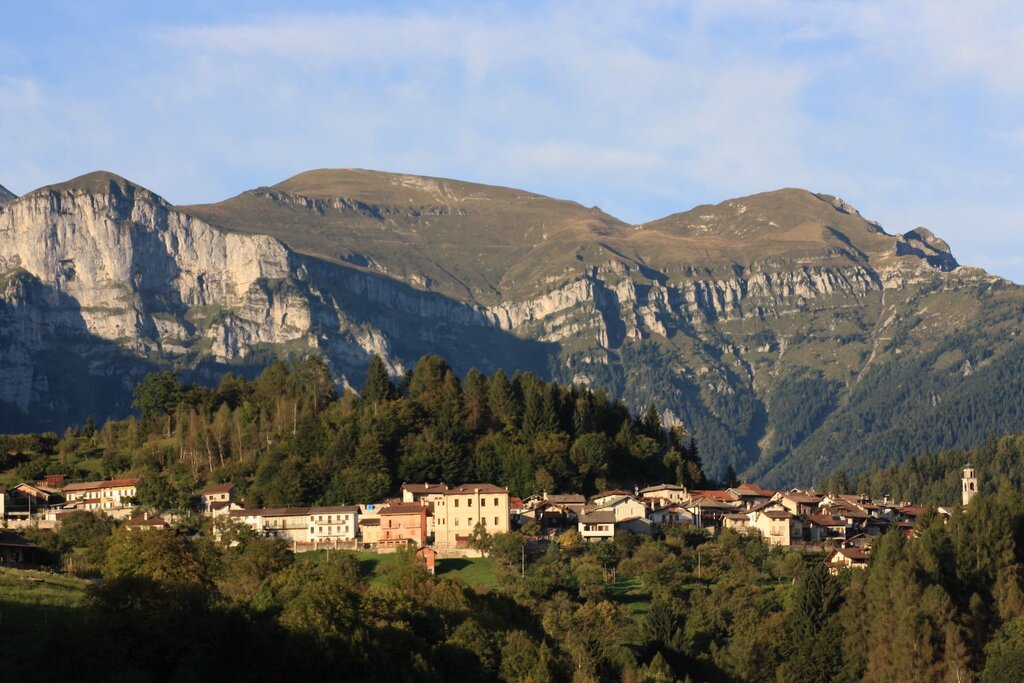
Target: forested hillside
(933,478)
(788,333)
(288,439)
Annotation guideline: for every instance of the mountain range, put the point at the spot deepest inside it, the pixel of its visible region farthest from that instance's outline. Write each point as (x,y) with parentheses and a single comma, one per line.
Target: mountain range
(787,332)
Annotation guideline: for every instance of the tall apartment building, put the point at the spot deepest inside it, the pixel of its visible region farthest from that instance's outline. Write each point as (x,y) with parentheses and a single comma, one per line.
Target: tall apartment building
(457,514)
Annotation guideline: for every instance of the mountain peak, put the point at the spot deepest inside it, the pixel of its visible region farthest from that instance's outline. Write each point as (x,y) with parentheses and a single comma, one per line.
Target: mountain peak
(6,196)
(392,189)
(97,182)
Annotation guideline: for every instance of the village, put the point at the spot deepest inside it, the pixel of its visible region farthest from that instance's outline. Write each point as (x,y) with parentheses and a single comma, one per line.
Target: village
(445,521)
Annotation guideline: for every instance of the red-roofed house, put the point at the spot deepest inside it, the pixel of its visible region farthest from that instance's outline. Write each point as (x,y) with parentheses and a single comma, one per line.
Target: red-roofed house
(114,497)
(847,558)
(145,522)
(402,525)
(218,500)
(416,493)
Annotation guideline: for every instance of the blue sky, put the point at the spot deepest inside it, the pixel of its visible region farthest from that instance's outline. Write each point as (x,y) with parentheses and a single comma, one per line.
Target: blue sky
(911,111)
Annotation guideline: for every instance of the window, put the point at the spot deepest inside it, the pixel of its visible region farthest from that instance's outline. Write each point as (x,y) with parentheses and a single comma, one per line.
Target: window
(495,502)
(483,502)
(469,503)
(456,502)
(456,521)
(495,521)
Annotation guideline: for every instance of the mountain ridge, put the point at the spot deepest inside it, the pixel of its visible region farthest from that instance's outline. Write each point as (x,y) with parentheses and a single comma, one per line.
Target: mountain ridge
(6,196)
(757,322)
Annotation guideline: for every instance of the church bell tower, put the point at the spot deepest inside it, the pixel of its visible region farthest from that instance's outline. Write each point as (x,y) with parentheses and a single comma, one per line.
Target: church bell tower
(970,484)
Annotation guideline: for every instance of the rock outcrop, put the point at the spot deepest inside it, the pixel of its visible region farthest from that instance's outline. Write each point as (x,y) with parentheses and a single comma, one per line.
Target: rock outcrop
(724,315)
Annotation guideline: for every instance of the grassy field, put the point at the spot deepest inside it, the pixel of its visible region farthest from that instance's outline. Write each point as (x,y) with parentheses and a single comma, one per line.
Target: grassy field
(31,602)
(472,571)
(629,594)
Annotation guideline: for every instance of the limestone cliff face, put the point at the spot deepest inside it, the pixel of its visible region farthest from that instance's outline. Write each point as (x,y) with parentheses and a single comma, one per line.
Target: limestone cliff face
(724,316)
(107,273)
(136,268)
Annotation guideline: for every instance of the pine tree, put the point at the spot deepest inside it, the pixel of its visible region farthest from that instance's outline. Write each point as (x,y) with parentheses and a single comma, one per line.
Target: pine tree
(378,386)
(503,401)
(477,411)
(814,630)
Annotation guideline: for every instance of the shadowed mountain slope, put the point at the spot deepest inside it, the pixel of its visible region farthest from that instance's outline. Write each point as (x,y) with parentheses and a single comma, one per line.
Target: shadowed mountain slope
(786,331)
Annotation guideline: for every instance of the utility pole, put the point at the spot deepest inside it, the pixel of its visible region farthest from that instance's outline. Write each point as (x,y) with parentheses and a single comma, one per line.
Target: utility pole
(522,566)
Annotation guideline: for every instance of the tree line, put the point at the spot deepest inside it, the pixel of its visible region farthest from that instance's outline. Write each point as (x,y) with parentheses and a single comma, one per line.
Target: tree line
(287,438)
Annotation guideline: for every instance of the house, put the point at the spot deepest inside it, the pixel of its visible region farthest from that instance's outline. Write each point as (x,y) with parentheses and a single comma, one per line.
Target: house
(847,558)
(862,541)
(671,513)
(16,550)
(640,526)
(145,522)
(597,525)
(415,493)
(673,493)
(749,496)
(218,500)
(463,507)
(800,503)
(403,524)
(290,524)
(909,513)
(369,530)
(427,494)
(624,506)
(709,512)
(820,527)
(552,515)
(115,497)
(26,500)
(603,496)
(333,524)
(777,527)
(615,511)
(709,494)
(550,509)
(738,521)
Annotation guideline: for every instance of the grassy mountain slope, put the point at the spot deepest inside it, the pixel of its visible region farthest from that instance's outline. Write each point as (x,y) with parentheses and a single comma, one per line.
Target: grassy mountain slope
(770,324)
(468,241)
(788,332)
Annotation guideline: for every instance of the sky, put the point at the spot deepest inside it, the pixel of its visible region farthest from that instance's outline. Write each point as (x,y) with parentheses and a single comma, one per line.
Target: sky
(913,112)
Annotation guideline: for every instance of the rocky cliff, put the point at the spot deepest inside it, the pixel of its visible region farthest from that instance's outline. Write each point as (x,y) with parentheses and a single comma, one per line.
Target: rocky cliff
(763,324)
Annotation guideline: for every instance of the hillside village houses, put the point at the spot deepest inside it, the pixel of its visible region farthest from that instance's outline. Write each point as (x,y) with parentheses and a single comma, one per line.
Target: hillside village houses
(434,515)
(114,497)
